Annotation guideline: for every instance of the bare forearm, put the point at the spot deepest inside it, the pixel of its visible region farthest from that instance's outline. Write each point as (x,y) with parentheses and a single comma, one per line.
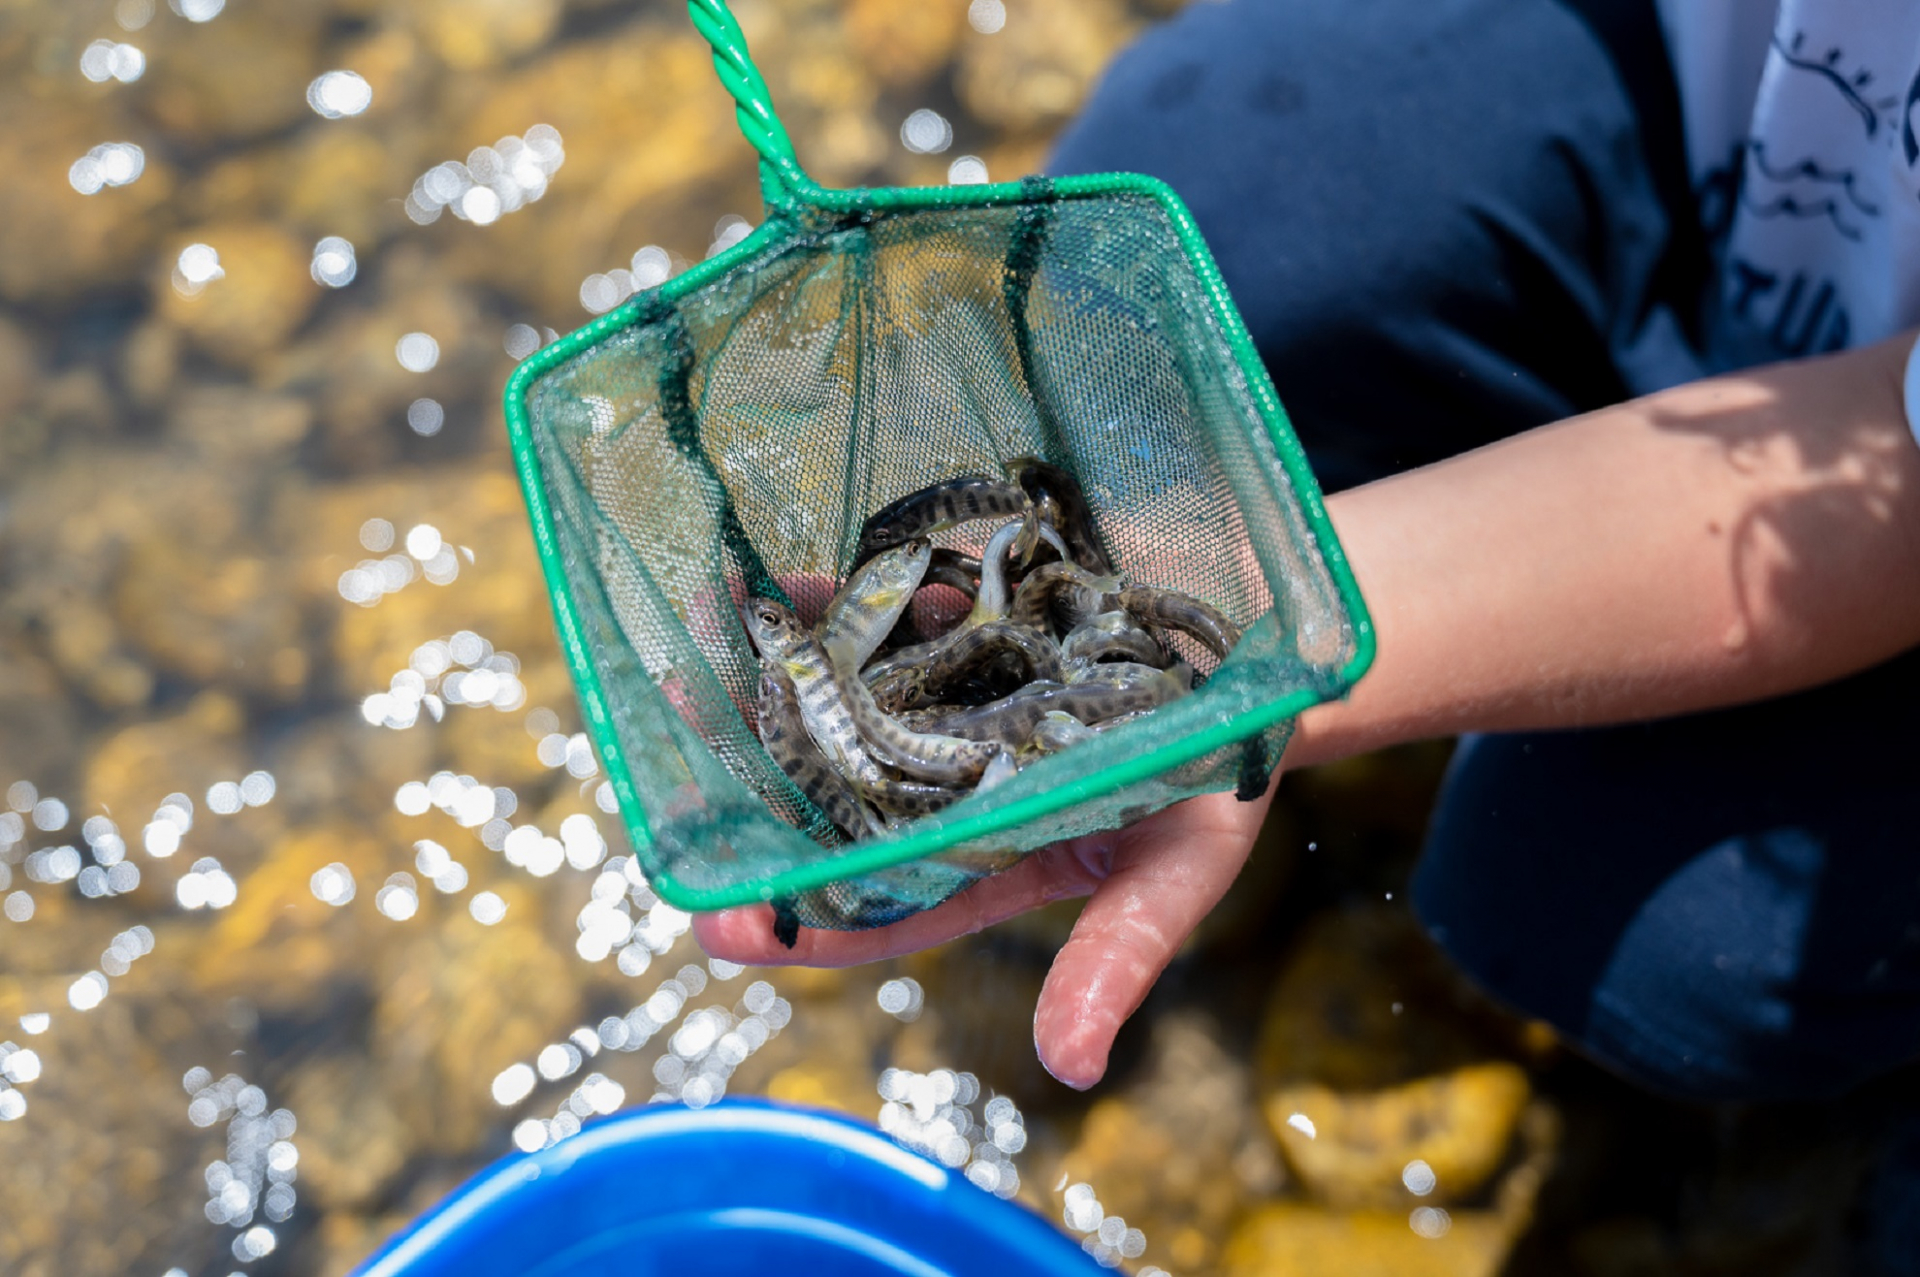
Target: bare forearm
(1729,540)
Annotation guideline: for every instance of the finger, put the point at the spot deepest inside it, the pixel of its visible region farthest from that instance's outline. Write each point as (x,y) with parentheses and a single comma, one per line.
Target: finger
(745,935)
(1167,873)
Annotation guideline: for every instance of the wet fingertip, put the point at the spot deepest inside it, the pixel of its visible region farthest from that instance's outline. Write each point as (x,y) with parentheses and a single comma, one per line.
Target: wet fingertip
(1066,1077)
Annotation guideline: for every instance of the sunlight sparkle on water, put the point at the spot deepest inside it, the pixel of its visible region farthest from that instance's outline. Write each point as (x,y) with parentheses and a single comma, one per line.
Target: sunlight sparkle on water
(339,94)
(926,132)
(425,417)
(334,264)
(987,16)
(1418,1177)
(417,352)
(105,60)
(198,266)
(333,884)
(968,170)
(492,182)
(109,164)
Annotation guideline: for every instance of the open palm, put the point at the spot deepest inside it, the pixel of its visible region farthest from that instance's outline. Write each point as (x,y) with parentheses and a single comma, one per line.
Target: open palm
(1149,885)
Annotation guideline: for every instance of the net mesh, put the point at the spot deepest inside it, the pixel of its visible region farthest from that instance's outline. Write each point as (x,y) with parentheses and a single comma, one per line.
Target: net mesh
(732,439)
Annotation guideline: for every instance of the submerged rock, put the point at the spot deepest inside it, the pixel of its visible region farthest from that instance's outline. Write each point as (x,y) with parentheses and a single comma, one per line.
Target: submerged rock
(1291,1239)
(263,293)
(60,244)
(1038,69)
(1354,1149)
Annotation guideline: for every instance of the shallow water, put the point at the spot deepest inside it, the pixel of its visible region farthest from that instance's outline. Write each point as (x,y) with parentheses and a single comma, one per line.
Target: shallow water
(310,899)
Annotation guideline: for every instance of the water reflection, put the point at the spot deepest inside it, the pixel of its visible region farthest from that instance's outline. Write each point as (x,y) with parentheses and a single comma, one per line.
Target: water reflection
(109,164)
(296,791)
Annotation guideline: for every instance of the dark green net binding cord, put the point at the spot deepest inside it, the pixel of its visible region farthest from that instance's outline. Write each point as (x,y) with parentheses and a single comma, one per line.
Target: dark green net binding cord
(727,433)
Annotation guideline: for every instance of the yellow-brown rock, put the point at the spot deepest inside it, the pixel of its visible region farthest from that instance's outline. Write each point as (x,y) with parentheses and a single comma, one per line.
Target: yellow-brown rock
(1461,1124)
(903,44)
(150,362)
(644,123)
(276,911)
(235,424)
(353,1144)
(130,771)
(77,402)
(59,242)
(1037,69)
(499,596)
(72,531)
(1292,1239)
(495,745)
(392,62)
(41,739)
(214,618)
(825,1056)
(846,147)
(338,763)
(1170,1152)
(341,183)
(104,1148)
(265,293)
(347,364)
(242,76)
(820,1085)
(475,34)
(457,1002)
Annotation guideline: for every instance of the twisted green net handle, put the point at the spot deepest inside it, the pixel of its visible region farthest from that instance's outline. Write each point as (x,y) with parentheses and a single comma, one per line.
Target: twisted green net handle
(781,177)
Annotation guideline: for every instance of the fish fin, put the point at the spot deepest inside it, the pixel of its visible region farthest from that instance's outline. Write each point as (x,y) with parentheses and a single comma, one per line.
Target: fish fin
(1002,769)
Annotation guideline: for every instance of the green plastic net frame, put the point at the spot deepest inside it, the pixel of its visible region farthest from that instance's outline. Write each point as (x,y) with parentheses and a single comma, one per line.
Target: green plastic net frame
(729,431)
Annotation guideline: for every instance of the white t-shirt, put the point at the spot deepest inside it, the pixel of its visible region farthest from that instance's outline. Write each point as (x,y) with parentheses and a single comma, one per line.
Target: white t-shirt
(1803,136)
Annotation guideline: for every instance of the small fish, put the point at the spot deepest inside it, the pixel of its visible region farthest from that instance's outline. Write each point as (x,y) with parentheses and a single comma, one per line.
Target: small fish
(945,760)
(955,570)
(1056,492)
(783,730)
(1011,720)
(780,638)
(991,603)
(899,689)
(872,601)
(950,568)
(1170,609)
(1127,674)
(1066,588)
(1109,636)
(973,647)
(943,505)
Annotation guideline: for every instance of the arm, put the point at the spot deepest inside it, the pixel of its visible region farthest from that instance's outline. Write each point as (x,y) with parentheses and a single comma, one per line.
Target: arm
(1725,541)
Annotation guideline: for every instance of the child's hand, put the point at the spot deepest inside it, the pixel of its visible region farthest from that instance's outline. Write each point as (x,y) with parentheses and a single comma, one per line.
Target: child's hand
(1150,885)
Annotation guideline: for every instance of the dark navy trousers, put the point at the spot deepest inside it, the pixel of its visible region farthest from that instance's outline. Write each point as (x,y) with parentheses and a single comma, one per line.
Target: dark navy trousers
(1449,220)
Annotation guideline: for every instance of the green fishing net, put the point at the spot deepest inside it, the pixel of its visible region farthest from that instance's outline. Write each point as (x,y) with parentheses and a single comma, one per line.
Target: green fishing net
(728,433)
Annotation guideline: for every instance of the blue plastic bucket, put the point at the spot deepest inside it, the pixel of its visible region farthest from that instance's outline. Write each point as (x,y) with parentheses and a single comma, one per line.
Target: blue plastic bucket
(743,1187)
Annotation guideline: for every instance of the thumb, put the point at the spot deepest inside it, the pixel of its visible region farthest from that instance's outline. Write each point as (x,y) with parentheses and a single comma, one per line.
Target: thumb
(1167,872)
